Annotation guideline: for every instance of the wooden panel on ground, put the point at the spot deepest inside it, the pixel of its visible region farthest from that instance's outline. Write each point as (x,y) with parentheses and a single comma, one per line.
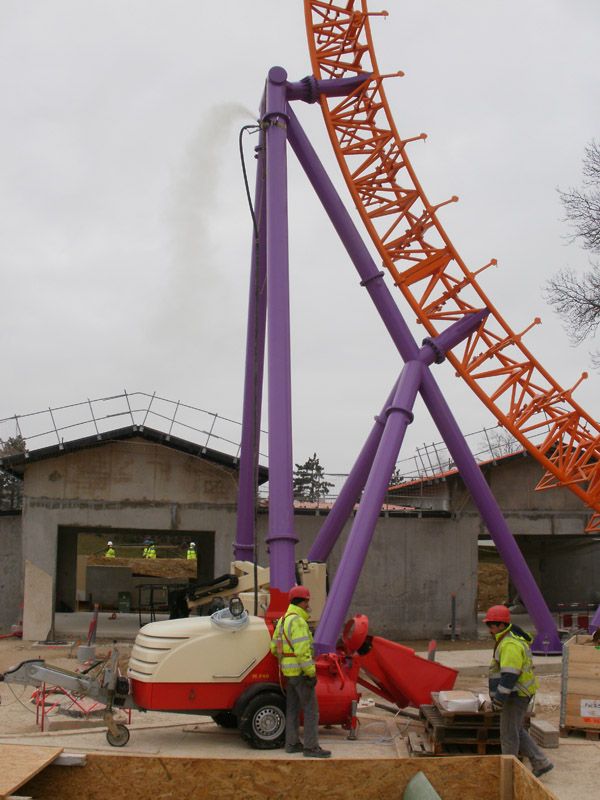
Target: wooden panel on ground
(580,684)
(150,567)
(485,778)
(19,763)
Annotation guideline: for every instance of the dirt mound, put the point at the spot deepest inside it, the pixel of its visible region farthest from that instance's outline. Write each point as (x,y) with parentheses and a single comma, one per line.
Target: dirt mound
(492,585)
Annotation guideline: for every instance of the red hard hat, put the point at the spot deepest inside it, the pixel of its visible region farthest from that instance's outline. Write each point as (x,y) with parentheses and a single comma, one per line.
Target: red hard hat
(498,614)
(299,592)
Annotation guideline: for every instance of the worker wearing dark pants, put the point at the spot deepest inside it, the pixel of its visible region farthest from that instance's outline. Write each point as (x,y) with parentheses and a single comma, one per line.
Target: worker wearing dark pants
(292,644)
(513,685)
(514,738)
(300,695)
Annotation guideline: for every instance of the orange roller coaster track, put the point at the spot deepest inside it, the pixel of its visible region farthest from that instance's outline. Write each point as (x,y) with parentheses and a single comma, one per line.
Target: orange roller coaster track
(427,268)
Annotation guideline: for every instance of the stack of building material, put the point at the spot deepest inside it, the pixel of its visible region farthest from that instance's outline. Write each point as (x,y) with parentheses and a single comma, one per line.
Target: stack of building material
(544,733)
(580,687)
(458,722)
(455,732)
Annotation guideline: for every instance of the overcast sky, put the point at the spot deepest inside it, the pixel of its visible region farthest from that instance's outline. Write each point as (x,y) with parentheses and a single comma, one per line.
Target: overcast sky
(123,220)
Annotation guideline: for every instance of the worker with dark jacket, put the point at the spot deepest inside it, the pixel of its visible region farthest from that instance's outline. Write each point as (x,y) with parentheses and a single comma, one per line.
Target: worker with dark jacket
(512,685)
(292,644)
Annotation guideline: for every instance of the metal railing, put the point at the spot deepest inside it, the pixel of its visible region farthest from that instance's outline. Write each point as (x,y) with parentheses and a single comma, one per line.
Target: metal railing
(60,424)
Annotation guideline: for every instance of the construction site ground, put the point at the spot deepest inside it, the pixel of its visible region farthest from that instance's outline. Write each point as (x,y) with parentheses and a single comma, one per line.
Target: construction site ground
(382,734)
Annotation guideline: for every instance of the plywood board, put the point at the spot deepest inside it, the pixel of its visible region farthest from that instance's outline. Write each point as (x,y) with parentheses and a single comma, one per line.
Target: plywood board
(19,763)
(526,787)
(282,779)
(150,567)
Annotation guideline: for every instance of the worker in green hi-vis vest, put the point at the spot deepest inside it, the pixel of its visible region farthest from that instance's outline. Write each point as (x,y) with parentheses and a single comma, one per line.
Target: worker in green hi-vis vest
(191,552)
(149,549)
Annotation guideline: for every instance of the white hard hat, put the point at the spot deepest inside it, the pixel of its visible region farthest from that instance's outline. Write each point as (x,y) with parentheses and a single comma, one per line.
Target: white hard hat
(192,544)
(110,544)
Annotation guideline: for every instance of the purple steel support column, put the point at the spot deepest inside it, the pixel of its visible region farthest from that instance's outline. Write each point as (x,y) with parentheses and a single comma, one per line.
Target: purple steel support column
(547,638)
(399,416)
(253,378)
(281,538)
(595,622)
(353,486)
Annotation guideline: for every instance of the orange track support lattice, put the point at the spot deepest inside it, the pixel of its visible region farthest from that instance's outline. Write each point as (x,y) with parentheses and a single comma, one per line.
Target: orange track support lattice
(427,268)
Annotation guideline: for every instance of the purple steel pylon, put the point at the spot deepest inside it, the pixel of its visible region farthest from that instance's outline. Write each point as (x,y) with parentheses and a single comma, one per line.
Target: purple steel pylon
(381,449)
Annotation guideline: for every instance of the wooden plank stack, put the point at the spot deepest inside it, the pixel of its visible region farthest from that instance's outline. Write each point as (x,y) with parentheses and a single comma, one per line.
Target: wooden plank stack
(580,687)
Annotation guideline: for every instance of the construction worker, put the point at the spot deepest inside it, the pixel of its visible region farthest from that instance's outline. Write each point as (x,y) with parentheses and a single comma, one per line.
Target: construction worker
(110,551)
(191,552)
(292,644)
(149,549)
(512,685)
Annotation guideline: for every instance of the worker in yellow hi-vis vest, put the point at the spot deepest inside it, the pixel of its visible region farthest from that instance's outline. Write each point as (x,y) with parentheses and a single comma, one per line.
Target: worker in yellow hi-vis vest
(110,551)
(191,552)
(149,549)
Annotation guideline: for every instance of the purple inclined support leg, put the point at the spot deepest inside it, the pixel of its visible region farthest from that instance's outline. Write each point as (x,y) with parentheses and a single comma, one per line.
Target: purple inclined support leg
(338,602)
(342,508)
(281,537)
(595,622)
(390,314)
(253,377)
(398,417)
(350,493)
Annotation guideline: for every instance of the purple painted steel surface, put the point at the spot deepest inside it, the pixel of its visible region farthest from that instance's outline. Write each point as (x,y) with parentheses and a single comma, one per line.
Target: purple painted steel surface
(309,89)
(433,349)
(398,418)
(253,377)
(547,636)
(281,537)
(351,490)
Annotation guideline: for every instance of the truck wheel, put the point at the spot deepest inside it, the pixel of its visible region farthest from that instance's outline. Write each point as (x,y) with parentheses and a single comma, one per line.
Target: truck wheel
(121,739)
(225,719)
(262,722)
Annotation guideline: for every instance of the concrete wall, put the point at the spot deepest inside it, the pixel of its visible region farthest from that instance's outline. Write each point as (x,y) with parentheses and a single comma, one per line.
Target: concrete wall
(134,485)
(11,572)
(567,567)
(412,568)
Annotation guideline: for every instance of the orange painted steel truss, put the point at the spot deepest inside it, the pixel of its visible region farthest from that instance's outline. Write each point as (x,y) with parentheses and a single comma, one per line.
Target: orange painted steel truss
(427,268)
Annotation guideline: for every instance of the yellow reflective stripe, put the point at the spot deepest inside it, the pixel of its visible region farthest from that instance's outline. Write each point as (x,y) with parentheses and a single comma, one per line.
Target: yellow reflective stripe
(300,639)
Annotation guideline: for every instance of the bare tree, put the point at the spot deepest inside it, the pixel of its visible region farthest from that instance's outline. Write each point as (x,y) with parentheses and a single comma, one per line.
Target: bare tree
(500,443)
(576,298)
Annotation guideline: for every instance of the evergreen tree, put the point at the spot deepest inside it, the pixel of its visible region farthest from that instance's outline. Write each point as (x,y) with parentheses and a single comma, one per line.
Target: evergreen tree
(309,480)
(10,487)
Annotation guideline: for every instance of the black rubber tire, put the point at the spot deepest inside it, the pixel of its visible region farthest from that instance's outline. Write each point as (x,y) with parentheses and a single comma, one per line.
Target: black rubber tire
(226,719)
(262,722)
(121,739)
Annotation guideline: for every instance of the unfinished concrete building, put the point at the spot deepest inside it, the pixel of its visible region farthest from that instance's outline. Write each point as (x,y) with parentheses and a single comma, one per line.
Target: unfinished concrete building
(135,481)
